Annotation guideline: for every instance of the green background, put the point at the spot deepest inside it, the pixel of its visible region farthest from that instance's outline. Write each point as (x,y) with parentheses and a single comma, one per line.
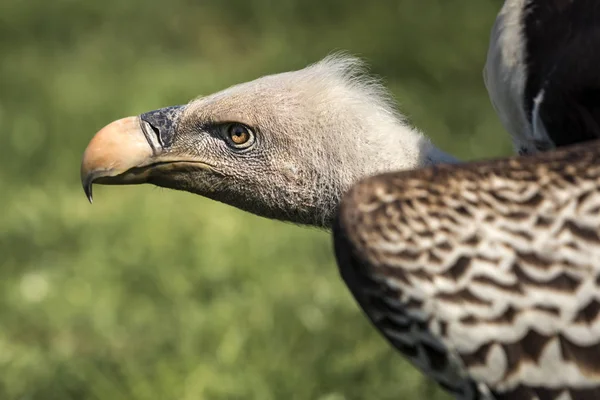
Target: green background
(154,294)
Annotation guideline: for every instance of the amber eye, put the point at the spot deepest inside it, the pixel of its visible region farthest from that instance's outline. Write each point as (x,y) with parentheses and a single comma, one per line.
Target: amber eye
(239,135)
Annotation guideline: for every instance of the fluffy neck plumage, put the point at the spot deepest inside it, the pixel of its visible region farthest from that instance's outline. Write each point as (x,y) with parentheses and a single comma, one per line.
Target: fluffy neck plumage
(410,150)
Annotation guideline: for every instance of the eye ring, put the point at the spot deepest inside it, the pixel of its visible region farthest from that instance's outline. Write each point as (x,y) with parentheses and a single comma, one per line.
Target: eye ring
(239,136)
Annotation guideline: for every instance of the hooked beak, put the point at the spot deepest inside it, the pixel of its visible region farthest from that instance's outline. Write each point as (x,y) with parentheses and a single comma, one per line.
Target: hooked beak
(130,150)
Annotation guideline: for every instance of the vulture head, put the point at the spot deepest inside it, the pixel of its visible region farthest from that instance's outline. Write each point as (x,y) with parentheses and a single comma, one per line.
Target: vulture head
(284,146)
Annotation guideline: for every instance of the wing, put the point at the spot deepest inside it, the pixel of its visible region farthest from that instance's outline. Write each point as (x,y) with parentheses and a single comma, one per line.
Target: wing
(541,72)
(485,275)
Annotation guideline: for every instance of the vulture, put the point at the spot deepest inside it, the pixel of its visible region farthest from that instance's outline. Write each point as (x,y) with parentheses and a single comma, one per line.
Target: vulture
(485,275)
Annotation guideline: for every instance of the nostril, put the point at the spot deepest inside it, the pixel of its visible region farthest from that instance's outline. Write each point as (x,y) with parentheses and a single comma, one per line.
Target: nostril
(156,132)
(152,134)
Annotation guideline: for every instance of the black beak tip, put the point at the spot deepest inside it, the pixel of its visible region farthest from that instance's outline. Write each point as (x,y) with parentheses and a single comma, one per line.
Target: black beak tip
(87,187)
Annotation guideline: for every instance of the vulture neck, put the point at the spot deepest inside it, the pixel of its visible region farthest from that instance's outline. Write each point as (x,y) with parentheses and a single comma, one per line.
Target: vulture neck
(413,151)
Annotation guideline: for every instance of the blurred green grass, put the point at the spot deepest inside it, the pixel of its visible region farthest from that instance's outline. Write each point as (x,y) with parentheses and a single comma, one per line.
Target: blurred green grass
(154,294)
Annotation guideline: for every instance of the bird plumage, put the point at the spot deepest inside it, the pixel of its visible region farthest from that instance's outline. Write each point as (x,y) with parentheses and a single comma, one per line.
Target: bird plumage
(487,275)
(542,72)
(484,274)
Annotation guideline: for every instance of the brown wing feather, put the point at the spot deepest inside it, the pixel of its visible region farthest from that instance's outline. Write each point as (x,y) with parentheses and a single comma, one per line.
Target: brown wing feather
(485,275)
